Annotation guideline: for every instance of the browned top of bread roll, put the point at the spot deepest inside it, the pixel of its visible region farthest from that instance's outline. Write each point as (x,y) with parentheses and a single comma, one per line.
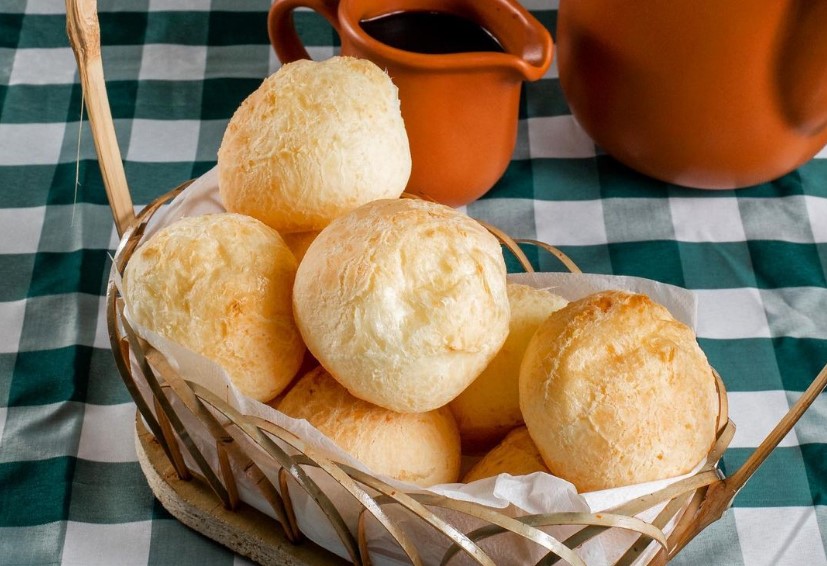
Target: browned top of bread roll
(490,407)
(421,448)
(315,140)
(615,391)
(516,454)
(221,284)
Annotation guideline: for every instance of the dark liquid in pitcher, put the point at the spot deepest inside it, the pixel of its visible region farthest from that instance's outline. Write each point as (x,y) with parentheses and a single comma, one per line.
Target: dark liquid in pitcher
(430,32)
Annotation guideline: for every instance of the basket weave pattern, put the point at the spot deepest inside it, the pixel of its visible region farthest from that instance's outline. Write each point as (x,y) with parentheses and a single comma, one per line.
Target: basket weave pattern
(169,404)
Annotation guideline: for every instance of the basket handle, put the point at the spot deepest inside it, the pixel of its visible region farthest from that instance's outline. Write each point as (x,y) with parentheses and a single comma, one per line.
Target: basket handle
(84,35)
(737,480)
(721,494)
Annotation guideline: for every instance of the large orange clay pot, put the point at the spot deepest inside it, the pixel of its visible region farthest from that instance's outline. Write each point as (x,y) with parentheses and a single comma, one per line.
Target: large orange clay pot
(713,94)
(460,109)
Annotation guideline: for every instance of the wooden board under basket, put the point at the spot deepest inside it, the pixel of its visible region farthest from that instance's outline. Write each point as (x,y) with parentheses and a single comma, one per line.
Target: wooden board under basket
(244,530)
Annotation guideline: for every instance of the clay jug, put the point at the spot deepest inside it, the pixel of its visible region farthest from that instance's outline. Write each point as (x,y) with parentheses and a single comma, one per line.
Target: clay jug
(702,93)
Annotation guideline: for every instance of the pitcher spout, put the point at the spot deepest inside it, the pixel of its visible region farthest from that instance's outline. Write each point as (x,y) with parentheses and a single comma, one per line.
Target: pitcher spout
(536,58)
(801,65)
(534,53)
(526,41)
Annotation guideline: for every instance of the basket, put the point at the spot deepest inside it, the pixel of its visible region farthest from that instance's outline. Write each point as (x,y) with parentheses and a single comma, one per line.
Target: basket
(202,484)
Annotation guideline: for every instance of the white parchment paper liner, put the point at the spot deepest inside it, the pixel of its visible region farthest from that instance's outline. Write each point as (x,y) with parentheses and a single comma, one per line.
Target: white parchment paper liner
(532,494)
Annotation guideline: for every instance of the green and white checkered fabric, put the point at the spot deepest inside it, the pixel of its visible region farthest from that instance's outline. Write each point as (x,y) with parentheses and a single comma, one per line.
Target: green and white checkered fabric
(71,490)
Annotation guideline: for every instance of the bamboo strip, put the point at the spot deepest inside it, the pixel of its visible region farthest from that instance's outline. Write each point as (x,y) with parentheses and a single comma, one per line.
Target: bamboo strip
(223,441)
(672,509)
(178,426)
(288,503)
(719,497)
(170,440)
(246,425)
(510,244)
(556,252)
(84,35)
(737,480)
(475,510)
(601,521)
(254,426)
(114,305)
(226,470)
(365,499)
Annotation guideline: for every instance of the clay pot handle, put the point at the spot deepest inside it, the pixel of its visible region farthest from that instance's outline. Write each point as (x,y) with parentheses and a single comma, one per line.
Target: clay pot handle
(282,30)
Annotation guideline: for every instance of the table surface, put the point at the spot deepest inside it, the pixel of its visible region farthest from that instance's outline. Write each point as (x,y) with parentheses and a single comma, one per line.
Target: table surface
(71,490)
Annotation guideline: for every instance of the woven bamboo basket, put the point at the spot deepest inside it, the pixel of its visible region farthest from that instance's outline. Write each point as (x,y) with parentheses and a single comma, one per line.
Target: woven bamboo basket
(200,483)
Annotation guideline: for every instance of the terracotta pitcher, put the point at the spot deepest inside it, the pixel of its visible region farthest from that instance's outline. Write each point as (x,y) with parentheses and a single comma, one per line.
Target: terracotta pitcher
(461,108)
(703,93)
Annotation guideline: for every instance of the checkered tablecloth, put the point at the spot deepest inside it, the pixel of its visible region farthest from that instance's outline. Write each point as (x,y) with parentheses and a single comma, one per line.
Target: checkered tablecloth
(71,491)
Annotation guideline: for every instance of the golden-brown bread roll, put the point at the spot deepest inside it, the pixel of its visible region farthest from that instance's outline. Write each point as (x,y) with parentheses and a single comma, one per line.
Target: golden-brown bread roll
(404,302)
(516,455)
(315,140)
(490,406)
(221,285)
(420,448)
(615,391)
(298,242)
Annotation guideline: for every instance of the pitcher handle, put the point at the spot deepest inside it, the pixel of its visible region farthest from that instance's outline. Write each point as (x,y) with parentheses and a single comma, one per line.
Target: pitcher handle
(282,30)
